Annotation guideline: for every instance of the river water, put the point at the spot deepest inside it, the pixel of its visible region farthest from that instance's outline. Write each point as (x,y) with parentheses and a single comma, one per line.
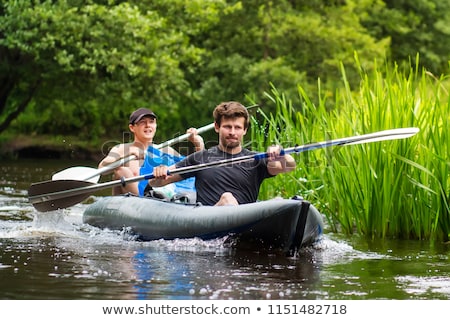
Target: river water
(54,255)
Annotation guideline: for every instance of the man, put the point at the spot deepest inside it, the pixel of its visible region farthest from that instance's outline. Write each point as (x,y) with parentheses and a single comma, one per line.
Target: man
(235,183)
(143,125)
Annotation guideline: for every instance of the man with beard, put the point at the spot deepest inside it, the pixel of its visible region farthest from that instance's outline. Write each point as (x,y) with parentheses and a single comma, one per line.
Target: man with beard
(232,184)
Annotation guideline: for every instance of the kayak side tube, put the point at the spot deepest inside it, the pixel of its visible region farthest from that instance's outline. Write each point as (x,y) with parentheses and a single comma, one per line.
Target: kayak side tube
(277,223)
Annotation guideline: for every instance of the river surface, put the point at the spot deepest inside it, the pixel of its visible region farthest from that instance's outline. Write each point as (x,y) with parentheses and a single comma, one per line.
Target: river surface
(54,255)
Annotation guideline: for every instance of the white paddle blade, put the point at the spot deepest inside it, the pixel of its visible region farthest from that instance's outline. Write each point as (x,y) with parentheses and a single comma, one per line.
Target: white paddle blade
(393,134)
(78,173)
(89,174)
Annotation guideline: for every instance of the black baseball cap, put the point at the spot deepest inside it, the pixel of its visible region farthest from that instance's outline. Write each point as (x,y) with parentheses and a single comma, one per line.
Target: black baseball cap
(140,113)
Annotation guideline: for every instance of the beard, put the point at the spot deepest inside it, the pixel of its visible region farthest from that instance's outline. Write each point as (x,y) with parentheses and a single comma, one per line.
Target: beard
(228,144)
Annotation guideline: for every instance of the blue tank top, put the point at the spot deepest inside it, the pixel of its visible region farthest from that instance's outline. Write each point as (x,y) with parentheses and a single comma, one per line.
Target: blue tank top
(155,157)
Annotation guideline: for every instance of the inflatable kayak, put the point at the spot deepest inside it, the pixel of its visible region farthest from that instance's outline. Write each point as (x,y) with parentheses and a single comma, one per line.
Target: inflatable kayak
(273,224)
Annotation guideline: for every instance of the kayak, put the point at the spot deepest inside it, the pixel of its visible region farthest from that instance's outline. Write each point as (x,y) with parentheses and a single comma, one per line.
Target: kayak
(285,224)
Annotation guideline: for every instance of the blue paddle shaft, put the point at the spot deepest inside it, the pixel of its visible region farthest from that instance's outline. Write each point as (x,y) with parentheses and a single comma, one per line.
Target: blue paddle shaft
(54,190)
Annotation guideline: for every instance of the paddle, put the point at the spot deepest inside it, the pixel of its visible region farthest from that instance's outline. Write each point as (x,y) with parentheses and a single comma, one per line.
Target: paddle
(93,175)
(58,194)
(183,137)
(89,174)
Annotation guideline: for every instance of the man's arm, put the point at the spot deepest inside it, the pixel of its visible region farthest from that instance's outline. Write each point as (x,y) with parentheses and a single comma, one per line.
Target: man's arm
(120,152)
(196,139)
(161,178)
(279,164)
(114,154)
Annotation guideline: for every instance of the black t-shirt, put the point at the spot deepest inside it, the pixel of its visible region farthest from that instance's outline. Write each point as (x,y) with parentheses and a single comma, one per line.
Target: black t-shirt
(241,179)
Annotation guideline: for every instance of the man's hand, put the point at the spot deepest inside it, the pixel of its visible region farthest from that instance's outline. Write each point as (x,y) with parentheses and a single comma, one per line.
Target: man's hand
(160,172)
(279,163)
(159,176)
(137,152)
(195,139)
(273,153)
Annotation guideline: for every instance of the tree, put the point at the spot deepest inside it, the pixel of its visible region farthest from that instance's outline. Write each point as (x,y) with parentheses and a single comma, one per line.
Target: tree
(416,27)
(282,42)
(83,65)
(62,56)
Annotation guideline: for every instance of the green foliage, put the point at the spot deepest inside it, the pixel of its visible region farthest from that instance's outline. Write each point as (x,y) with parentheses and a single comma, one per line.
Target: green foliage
(84,65)
(262,42)
(79,67)
(395,188)
(114,56)
(414,26)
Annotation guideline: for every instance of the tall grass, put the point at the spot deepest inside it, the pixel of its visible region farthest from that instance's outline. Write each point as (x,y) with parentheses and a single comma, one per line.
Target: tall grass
(398,188)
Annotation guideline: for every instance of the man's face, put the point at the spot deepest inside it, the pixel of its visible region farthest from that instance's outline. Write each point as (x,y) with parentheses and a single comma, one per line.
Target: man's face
(231,132)
(144,129)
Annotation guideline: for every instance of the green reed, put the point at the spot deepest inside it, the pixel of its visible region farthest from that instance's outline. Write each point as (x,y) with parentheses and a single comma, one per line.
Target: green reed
(398,188)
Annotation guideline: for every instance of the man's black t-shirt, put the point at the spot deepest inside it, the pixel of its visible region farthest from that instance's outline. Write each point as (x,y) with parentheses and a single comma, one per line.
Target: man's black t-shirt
(241,179)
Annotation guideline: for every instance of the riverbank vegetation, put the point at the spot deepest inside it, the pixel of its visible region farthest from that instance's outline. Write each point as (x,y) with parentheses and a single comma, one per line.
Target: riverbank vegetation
(71,67)
(72,71)
(395,189)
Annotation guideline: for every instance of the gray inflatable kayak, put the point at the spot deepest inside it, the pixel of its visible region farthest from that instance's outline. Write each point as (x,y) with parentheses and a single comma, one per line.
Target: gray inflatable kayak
(285,224)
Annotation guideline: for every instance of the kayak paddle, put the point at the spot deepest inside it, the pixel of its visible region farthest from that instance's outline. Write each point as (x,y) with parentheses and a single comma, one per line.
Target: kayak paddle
(93,175)
(89,174)
(59,194)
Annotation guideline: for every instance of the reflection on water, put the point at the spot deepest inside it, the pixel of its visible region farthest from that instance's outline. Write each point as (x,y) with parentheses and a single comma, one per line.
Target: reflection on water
(61,259)
(55,256)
